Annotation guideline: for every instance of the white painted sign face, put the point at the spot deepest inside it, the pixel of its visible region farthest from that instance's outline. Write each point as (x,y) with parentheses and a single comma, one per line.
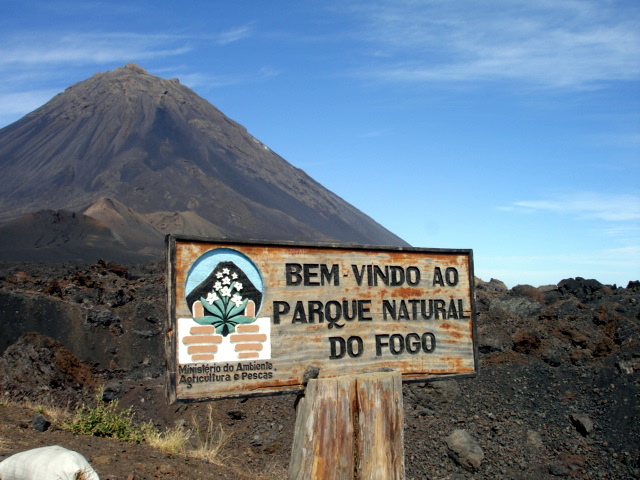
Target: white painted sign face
(254,318)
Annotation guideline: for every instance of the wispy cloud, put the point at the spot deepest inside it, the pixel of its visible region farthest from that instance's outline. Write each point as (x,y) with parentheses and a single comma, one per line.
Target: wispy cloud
(563,43)
(101,47)
(622,207)
(91,49)
(373,133)
(624,232)
(233,35)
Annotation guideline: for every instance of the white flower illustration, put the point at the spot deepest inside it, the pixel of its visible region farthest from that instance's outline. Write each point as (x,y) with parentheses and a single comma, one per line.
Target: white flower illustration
(237,299)
(224,306)
(212,297)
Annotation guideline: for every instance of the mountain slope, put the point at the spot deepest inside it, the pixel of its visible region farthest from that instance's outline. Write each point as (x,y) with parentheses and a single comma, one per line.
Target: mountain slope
(61,236)
(153,145)
(127,226)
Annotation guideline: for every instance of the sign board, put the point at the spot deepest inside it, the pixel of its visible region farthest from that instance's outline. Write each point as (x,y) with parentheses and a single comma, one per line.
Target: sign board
(251,318)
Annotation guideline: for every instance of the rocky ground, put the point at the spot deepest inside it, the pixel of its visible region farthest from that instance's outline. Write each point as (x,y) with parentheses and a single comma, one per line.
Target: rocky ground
(557,395)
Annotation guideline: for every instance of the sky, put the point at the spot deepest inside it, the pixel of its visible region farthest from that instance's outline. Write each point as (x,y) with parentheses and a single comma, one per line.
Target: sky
(509,127)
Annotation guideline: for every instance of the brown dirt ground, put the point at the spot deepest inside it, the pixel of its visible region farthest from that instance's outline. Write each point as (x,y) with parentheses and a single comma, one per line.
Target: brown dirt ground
(547,356)
(118,460)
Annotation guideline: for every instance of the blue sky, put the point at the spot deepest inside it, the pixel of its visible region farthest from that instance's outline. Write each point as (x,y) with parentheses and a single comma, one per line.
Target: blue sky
(509,127)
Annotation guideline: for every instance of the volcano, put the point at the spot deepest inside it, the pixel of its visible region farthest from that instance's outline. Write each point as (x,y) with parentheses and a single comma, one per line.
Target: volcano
(131,157)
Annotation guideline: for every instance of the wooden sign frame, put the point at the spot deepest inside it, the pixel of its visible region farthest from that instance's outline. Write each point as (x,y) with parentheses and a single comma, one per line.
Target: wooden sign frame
(256,318)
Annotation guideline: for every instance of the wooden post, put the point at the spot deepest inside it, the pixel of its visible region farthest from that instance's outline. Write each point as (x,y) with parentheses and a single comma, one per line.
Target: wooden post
(350,427)
(381,427)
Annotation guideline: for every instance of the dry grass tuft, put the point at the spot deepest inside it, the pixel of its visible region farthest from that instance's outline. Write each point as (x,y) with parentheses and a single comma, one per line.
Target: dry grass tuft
(205,439)
(170,441)
(55,413)
(210,438)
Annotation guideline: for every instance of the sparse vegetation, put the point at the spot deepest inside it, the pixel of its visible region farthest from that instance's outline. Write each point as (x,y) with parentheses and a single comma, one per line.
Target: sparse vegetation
(105,420)
(205,439)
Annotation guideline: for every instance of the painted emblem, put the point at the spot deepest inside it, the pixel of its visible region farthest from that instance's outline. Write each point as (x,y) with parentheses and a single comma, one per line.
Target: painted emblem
(224,292)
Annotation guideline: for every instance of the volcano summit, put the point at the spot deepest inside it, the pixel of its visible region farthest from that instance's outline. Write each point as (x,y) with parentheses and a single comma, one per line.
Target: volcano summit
(124,157)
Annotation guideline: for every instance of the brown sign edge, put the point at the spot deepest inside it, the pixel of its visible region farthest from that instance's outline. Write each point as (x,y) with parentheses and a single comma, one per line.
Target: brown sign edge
(170,346)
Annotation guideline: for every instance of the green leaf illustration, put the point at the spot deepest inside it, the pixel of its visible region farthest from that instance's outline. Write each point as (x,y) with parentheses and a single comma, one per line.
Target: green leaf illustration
(242,320)
(207,320)
(237,310)
(213,308)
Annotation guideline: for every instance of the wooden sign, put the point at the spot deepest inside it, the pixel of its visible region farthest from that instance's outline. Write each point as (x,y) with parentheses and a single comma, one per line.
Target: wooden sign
(259,318)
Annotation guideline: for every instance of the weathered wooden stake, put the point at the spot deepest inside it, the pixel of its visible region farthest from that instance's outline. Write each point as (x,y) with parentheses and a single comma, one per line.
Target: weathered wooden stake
(350,427)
